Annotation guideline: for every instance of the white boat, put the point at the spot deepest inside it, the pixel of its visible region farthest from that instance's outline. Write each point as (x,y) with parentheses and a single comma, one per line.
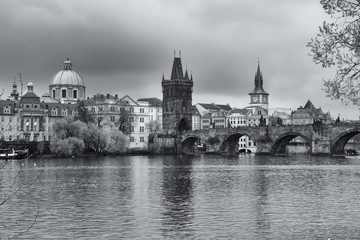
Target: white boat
(7,153)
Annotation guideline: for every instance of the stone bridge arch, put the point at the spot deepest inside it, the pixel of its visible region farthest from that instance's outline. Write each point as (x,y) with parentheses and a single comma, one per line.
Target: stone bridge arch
(339,142)
(188,143)
(279,146)
(230,142)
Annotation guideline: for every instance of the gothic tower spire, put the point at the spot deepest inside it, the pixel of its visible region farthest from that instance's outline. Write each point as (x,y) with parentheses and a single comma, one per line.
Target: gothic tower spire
(258,96)
(177,99)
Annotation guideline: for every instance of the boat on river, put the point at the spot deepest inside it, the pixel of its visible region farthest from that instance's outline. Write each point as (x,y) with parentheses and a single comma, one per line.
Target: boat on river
(8,154)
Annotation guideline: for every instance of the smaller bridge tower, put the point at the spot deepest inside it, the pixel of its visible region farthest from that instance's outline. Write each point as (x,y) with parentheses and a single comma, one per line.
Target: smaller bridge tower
(258,96)
(177,98)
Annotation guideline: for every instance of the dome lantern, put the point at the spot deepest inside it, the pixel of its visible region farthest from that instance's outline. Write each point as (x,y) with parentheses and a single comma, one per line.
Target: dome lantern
(67,64)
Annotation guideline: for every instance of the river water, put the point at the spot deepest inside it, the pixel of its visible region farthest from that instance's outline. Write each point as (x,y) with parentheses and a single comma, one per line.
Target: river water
(188,197)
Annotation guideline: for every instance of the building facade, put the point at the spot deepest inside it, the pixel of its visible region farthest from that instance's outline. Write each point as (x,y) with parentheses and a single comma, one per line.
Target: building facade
(309,115)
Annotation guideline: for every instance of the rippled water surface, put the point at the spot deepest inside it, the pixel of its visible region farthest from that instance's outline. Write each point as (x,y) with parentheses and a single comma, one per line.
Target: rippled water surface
(188,197)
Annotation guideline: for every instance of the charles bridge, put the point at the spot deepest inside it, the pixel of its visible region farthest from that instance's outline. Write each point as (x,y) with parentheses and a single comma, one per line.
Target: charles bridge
(322,139)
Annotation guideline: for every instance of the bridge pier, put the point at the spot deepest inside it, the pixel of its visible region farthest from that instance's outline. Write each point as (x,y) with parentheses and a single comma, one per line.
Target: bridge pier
(263,148)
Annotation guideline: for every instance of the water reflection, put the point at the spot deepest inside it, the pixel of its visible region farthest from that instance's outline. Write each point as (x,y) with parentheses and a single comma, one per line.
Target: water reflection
(262,201)
(190,197)
(177,193)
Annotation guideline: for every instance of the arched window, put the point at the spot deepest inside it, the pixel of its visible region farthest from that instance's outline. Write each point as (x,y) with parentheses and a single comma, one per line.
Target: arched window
(75,113)
(64,112)
(63,93)
(75,94)
(7,109)
(54,111)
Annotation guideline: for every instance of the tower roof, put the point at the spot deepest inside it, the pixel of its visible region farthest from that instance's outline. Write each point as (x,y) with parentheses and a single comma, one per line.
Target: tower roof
(177,70)
(258,83)
(309,105)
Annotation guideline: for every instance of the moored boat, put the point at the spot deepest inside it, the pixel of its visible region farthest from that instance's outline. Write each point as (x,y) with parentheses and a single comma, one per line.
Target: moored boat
(7,153)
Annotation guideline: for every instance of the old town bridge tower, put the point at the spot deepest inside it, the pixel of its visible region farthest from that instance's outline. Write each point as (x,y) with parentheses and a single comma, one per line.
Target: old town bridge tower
(177,99)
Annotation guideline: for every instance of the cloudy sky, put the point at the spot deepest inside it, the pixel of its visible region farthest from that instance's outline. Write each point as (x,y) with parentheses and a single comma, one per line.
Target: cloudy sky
(124,47)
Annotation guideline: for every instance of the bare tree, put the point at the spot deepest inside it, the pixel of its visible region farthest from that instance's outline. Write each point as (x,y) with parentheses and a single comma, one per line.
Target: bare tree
(337,44)
(15,186)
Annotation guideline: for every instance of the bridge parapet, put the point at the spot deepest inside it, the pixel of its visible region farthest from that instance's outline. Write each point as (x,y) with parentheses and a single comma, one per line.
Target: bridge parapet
(321,139)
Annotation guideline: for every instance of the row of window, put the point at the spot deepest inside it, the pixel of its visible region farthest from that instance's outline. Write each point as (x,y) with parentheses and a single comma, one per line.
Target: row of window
(64,112)
(241,121)
(34,106)
(219,120)
(64,93)
(247,145)
(115,109)
(142,129)
(132,139)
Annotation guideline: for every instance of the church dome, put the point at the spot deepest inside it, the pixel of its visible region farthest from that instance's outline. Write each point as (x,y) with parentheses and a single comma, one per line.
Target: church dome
(67,86)
(67,76)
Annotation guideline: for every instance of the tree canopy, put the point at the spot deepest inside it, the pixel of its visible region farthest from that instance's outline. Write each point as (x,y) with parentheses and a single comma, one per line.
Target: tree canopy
(337,45)
(71,137)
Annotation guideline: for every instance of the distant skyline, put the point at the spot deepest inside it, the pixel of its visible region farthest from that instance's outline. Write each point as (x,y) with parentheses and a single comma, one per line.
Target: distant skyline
(124,47)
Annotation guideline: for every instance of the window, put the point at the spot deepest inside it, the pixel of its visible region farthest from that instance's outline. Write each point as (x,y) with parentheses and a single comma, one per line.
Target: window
(64,112)
(142,139)
(75,113)
(112,118)
(132,109)
(63,93)
(27,125)
(7,109)
(132,119)
(141,110)
(75,94)
(27,106)
(112,109)
(141,119)
(131,128)
(54,111)
(53,91)
(132,139)
(142,129)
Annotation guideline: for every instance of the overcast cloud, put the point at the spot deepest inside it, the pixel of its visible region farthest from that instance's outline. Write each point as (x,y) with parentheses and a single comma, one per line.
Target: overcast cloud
(124,47)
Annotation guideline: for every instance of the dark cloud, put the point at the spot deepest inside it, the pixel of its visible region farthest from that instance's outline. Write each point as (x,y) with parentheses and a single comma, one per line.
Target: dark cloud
(124,47)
